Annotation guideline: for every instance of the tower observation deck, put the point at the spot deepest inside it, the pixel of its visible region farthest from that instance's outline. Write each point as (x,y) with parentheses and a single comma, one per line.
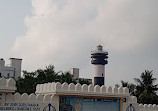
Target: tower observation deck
(99,59)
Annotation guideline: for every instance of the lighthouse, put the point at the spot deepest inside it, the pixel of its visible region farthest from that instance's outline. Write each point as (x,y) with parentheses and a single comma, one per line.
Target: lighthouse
(99,59)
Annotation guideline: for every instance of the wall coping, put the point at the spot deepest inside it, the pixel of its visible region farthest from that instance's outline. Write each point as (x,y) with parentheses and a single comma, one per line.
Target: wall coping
(7,85)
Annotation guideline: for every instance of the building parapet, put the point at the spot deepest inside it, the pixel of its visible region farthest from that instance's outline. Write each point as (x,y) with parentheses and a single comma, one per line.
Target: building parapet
(17,97)
(7,85)
(148,107)
(58,88)
(48,95)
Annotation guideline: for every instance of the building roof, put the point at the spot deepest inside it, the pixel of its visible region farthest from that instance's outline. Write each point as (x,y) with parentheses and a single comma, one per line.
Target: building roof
(16,58)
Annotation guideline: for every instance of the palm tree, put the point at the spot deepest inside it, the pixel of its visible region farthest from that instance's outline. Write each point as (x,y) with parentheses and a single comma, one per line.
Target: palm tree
(145,89)
(130,86)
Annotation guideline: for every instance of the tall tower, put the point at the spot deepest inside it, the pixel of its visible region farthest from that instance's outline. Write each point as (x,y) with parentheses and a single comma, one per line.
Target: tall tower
(99,59)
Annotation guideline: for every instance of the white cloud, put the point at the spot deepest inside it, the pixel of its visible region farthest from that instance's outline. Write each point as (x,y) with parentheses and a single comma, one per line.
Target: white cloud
(64,32)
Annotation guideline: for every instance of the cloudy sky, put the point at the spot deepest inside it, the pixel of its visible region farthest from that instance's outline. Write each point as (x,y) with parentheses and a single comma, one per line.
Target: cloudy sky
(64,32)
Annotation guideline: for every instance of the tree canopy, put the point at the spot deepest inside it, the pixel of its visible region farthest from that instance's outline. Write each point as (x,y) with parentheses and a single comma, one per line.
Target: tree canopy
(27,84)
(145,90)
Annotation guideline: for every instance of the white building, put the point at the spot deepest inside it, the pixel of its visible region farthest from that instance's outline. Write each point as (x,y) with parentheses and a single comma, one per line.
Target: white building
(75,73)
(11,70)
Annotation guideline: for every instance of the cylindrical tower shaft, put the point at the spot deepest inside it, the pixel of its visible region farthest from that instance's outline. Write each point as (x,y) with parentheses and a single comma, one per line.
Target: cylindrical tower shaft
(99,59)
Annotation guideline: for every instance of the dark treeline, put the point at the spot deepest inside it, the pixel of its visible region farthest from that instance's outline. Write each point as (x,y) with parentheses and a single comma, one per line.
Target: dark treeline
(144,88)
(27,84)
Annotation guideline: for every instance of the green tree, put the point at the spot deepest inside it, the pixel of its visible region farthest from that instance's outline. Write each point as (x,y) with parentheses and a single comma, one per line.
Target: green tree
(146,89)
(26,84)
(46,75)
(130,86)
(83,81)
(66,77)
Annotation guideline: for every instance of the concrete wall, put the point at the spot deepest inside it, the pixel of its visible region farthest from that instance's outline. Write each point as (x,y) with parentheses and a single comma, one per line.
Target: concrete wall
(48,95)
(148,107)
(103,91)
(10,101)
(81,89)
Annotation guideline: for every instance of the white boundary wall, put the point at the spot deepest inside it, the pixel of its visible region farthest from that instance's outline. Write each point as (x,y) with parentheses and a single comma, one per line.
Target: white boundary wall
(49,93)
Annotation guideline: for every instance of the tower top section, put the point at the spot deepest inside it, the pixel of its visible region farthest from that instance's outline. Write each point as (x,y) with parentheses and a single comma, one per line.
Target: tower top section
(99,50)
(99,47)
(99,57)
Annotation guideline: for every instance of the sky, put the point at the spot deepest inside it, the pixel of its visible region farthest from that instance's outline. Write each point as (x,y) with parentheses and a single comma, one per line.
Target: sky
(64,32)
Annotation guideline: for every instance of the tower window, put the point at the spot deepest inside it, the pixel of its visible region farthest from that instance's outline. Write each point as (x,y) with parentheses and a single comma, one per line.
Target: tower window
(0,74)
(8,75)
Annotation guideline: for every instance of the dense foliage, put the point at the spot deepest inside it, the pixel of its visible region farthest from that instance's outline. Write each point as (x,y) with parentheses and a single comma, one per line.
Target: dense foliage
(144,89)
(28,83)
